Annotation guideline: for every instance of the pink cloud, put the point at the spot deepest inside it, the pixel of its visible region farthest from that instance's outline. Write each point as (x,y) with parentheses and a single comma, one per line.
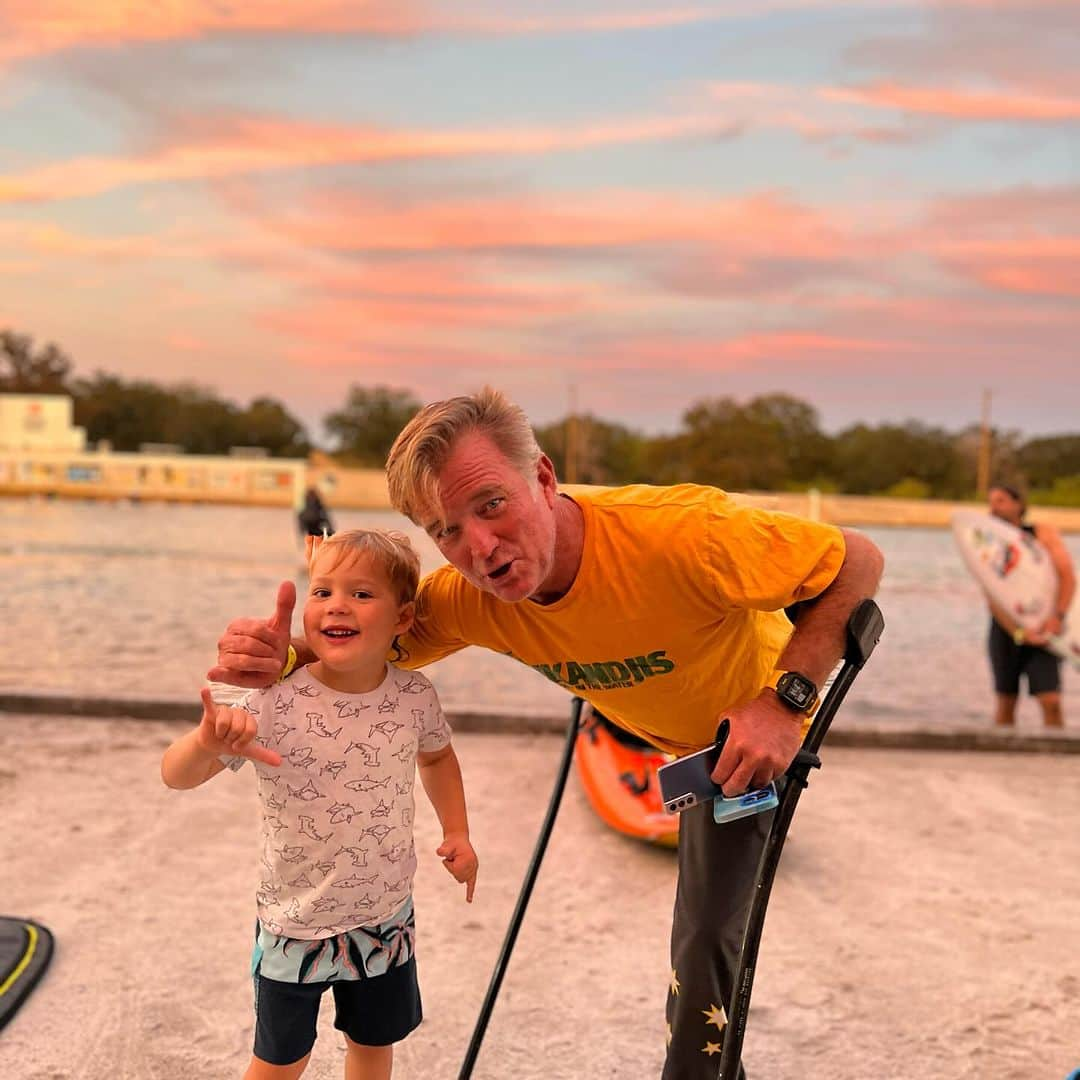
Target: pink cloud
(960,104)
(762,222)
(245,145)
(40,26)
(186,342)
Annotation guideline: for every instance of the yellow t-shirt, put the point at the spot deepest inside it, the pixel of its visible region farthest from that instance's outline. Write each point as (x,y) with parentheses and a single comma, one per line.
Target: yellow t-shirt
(675,614)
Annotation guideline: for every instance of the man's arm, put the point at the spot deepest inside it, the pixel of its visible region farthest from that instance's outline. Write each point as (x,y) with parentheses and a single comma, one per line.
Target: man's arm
(821,630)
(764,734)
(1050,539)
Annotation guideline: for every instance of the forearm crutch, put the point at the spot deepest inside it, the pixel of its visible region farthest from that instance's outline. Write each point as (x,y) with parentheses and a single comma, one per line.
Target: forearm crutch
(863,631)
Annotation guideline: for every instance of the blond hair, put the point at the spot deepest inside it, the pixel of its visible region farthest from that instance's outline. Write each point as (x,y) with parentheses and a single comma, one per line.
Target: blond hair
(390,551)
(426,441)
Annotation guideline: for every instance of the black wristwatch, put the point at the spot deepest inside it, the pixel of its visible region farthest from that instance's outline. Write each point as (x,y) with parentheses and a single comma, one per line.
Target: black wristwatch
(796,691)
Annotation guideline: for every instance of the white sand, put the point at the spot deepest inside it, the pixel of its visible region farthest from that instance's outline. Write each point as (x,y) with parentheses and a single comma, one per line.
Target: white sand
(925,923)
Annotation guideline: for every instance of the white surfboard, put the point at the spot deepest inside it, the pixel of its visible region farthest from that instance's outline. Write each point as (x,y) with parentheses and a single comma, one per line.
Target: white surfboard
(1016,572)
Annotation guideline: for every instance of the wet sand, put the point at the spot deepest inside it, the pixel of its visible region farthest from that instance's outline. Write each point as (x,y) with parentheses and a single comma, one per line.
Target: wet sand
(925,922)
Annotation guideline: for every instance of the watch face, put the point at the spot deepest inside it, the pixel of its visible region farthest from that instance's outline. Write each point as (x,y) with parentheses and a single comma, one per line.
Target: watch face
(797,689)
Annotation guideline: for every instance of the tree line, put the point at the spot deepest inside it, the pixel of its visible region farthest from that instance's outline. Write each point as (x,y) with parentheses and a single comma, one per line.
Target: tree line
(773,442)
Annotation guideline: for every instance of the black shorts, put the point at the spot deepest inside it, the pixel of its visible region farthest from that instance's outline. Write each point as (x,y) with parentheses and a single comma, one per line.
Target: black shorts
(374,1011)
(1009,661)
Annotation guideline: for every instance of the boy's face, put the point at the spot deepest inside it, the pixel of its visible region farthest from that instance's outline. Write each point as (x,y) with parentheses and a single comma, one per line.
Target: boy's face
(352,613)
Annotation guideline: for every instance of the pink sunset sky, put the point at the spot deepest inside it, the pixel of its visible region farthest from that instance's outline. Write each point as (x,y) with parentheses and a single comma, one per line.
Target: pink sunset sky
(872,206)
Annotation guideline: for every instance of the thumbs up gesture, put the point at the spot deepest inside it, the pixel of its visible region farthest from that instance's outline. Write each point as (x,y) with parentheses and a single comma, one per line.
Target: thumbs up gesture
(252,652)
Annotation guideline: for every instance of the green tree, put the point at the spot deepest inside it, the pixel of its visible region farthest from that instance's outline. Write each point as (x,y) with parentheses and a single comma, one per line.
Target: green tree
(606,453)
(129,413)
(871,460)
(267,423)
(24,371)
(124,413)
(1042,461)
(768,444)
(365,429)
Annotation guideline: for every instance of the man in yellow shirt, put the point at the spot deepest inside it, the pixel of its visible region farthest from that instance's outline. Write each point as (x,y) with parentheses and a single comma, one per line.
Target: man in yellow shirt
(664,607)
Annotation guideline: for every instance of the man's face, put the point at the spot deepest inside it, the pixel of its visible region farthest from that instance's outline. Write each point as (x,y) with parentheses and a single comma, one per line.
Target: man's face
(493,525)
(1004,506)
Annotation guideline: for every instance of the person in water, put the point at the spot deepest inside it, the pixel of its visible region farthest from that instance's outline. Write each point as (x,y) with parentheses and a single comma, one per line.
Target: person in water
(313,518)
(1014,651)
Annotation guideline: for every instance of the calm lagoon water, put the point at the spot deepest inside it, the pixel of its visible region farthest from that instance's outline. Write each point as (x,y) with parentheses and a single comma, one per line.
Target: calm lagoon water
(126,601)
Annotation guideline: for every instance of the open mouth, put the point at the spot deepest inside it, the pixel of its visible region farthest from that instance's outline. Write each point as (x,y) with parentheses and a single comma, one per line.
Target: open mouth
(339,632)
(501,571)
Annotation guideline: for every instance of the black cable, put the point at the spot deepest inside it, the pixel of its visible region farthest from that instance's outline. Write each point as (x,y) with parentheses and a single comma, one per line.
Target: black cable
(523,897)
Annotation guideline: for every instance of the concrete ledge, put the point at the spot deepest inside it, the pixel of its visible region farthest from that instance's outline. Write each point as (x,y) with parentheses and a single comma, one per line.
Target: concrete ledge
(495,721)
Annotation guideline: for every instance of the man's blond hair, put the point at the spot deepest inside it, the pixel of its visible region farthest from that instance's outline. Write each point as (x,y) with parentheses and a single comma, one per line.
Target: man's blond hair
(390,551)
(421,450)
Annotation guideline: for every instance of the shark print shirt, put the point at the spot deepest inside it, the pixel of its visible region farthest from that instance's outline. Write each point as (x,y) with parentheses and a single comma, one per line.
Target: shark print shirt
(337,814)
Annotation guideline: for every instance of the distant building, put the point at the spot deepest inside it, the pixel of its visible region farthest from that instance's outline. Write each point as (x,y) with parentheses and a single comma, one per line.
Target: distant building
(43,453)
(39,422)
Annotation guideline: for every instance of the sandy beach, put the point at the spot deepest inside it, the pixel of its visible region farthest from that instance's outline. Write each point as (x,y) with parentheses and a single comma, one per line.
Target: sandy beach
(925,922)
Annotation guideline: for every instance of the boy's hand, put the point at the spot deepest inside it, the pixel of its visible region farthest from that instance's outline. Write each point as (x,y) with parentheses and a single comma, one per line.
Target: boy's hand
(459,858)
(252,652)
(227,730)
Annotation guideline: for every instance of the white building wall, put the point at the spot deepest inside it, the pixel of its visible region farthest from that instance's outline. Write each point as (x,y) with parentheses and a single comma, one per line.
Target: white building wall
(39,422)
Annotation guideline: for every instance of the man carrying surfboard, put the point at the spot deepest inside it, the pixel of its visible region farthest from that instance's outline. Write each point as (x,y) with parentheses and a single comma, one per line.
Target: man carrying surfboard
(1016,651)
(663,606)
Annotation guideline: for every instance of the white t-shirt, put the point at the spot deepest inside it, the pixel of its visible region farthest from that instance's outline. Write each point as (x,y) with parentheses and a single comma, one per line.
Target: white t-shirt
(337,814)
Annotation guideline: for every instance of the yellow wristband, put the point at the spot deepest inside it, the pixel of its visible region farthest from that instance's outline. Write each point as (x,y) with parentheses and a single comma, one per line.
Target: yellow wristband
(290,663)
(1018,635)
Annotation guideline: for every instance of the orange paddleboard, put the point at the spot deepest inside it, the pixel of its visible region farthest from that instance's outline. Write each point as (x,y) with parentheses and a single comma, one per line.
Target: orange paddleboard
(618,772)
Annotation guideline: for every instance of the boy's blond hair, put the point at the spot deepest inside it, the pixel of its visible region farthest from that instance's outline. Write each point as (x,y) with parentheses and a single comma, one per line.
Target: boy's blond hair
(421,450)
(391,551)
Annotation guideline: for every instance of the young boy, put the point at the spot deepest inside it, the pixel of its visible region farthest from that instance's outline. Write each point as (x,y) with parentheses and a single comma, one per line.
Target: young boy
(334,748)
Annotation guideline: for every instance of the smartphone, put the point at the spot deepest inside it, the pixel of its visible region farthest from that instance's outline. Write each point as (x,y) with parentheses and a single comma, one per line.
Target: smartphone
(688,781)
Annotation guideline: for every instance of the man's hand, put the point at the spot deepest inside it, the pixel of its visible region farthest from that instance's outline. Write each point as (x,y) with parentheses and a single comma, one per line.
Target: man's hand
(763,739)
(227,730)
(252,652)
(460,860)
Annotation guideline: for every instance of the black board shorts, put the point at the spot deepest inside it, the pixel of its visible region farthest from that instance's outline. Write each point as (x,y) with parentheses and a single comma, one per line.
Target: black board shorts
(375,1011)
(1009,661)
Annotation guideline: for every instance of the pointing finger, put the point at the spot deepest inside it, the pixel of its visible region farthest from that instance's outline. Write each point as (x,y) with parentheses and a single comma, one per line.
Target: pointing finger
(258,752)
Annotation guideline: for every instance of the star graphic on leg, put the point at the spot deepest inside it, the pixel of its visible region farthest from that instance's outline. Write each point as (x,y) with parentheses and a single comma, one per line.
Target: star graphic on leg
(674,983)
(711,1048)
(714,1015)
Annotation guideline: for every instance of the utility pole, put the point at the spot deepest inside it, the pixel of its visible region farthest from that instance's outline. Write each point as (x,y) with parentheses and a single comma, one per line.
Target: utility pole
(982,474)
(572,436)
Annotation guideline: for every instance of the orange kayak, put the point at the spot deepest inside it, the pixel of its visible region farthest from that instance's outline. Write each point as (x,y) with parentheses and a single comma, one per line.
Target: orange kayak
(618,773)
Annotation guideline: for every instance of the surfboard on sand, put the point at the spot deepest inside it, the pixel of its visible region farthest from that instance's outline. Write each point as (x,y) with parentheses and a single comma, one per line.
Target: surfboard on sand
(618,773)
(26,947)
(1016,572)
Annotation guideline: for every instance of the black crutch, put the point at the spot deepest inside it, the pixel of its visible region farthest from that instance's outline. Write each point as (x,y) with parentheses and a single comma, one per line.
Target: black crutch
(523,897)
(863,631)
